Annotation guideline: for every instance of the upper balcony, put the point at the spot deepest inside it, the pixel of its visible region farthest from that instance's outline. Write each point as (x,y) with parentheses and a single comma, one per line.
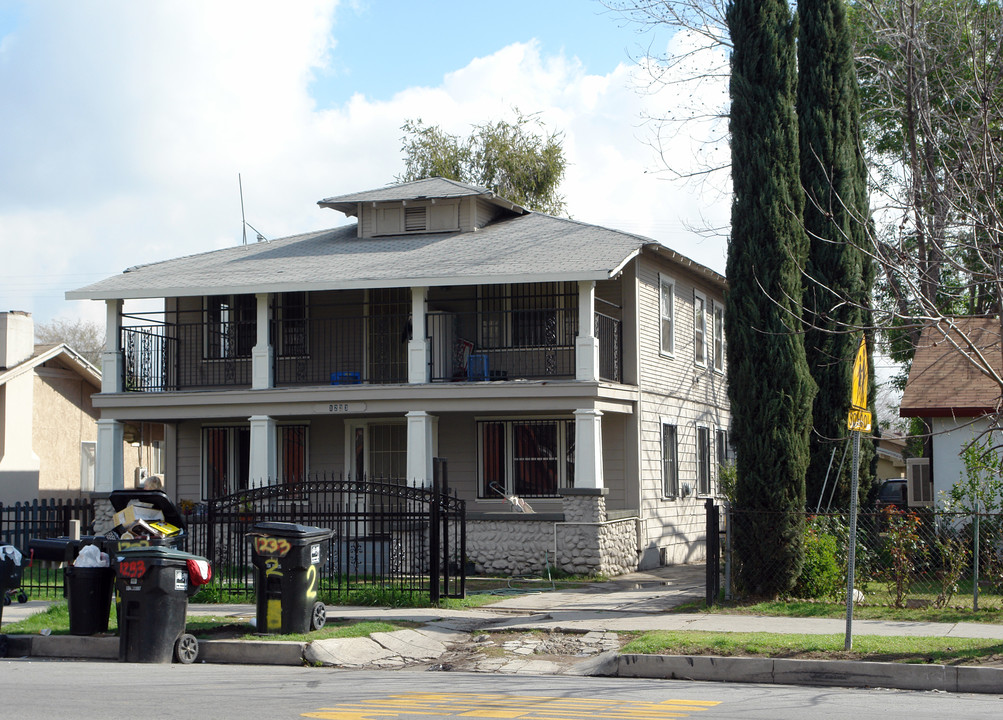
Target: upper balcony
(493,333)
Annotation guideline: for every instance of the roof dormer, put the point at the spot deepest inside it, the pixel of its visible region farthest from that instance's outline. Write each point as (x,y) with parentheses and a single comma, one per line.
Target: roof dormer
(434,205)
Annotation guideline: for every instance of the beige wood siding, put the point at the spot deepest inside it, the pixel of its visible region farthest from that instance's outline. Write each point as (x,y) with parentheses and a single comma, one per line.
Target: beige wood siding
(677,391)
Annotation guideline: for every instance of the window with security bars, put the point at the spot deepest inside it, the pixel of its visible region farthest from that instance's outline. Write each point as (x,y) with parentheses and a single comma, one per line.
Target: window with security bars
(670,465)
(230,326)
(387,456)
(290,314)
(293,452)
(528,315)
(703,461)
(526,458)
(226,460)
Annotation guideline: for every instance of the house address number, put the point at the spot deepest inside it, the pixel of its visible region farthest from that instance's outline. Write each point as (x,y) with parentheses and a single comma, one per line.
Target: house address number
(341,408)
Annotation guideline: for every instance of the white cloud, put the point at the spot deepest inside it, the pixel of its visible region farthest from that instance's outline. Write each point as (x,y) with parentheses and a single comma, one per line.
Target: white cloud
(126,125)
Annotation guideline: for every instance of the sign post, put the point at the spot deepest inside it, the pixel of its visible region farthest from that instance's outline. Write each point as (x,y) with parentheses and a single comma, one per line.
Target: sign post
(859,421)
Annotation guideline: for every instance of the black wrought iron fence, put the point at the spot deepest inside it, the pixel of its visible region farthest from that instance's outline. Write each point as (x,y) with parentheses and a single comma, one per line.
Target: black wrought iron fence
(386,535)
(915,558)
(23,521)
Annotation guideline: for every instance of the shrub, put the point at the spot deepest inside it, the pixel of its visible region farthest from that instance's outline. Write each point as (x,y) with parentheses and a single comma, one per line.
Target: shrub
(821,576)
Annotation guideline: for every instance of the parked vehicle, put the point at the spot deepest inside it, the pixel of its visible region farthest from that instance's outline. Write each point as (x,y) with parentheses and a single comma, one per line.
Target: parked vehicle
(893,493)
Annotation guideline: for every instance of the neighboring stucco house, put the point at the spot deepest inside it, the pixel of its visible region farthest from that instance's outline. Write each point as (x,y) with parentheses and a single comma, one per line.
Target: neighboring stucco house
(891,458)
(577,367)
(953,396)
(48,425)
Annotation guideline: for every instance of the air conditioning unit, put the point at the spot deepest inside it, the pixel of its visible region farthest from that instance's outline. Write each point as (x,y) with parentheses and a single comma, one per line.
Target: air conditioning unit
(919,482)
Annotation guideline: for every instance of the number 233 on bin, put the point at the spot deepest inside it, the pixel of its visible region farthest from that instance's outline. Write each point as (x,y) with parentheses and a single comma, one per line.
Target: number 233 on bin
(271,546)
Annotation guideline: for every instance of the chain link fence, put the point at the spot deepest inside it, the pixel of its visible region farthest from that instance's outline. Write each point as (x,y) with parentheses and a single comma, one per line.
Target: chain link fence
(904,558)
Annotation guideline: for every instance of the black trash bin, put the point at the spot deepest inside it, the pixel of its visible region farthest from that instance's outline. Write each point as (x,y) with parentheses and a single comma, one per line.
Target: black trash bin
(10,579)
(287,560)
(154,584)
(88,590)
(88,594)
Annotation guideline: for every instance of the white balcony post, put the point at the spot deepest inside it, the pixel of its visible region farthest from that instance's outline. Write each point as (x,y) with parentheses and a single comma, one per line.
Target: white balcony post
(111,358)
(418,348)
(586,344)
(588,449)
(420,449)
(264,464)
(109,466)
(262,355)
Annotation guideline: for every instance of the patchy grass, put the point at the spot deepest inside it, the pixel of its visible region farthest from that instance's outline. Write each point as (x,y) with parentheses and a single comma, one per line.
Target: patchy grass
(55,619)
(937,650)
(811,609)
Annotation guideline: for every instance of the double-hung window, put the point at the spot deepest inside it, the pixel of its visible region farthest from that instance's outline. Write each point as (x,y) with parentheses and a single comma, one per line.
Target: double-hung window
(703,461)
(670,461)
(526,458)
(666,312)
(718,337)
(699,328)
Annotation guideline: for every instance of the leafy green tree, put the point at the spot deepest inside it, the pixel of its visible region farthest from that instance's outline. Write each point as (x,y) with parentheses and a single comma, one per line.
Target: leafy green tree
(836,219)
(769,384)
(518,160)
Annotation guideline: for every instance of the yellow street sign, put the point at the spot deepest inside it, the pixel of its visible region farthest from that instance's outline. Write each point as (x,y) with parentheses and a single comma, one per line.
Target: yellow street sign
(858,398)
(859,420)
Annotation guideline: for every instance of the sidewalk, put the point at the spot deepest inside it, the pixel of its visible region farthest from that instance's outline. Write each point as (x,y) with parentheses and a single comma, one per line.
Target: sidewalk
(580,638)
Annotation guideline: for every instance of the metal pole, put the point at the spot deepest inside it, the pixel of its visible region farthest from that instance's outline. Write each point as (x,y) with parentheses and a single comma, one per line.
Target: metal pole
(852,550)
(975,563)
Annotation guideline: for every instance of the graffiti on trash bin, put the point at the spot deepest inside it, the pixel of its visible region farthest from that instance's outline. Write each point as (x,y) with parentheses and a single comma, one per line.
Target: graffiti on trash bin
(132,568)
(271,546)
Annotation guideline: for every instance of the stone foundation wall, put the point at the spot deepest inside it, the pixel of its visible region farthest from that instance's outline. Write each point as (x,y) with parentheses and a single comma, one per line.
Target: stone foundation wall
(585,540)
(515,546)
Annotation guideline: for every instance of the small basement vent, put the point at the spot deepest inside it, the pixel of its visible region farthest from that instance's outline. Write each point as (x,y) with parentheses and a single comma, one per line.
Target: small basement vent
(415,219)
(919,481)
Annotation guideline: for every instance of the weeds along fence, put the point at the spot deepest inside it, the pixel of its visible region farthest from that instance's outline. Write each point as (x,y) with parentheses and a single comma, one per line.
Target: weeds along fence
(22,521)
(915,558)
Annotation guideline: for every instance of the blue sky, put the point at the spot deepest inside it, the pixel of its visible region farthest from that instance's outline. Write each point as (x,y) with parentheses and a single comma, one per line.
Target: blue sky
(126,123)
(461,31)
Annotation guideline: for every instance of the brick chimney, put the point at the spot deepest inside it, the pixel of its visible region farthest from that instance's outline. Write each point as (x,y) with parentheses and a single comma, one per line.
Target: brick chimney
(17,337)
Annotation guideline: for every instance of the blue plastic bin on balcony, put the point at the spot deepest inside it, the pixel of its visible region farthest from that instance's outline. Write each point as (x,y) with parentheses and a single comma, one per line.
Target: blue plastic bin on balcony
(345,378)
(477,367)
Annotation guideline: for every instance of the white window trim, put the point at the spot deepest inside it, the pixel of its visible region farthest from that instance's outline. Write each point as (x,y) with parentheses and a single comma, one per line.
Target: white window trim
(667,281)
(699,321)
(717,312)
(661,459)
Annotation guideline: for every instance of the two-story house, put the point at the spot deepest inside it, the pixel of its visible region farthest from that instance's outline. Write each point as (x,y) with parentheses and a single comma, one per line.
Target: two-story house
(559,362)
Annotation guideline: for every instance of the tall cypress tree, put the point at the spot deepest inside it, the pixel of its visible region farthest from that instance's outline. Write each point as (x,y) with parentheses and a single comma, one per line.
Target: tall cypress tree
(836,216)
(769,385)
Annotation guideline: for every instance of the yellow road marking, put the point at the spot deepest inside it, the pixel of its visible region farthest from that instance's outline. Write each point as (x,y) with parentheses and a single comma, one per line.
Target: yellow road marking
(509,707)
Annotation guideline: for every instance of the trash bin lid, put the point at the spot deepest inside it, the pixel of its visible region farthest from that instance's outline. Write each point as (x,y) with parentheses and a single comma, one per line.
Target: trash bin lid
(156,552)
(157,498)
(291,530)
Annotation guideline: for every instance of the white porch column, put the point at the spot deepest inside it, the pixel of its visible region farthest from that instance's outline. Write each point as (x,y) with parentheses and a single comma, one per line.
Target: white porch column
(262,355)
(264,464)
(420,449)
(109,468)
(111,358)
(418,348)
(586,344)
(588,449)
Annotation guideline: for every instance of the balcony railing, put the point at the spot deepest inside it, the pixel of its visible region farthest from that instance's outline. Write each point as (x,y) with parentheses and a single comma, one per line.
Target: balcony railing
(464,346)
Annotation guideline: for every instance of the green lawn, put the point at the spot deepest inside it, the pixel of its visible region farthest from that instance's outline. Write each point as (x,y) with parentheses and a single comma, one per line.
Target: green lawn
(865,647)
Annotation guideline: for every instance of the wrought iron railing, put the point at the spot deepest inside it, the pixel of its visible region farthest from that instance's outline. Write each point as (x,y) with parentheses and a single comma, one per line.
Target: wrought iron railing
(387,534)
(186,356)
(609,332)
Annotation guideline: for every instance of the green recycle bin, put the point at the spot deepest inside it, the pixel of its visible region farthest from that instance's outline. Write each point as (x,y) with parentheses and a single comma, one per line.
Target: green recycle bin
(153,585)
(287,560)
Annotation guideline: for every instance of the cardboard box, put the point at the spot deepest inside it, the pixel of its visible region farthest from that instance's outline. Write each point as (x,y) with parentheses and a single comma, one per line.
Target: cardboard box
(128,515)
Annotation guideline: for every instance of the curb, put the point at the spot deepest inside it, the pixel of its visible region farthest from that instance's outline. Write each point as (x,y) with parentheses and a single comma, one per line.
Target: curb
(839,673)
(707,668)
